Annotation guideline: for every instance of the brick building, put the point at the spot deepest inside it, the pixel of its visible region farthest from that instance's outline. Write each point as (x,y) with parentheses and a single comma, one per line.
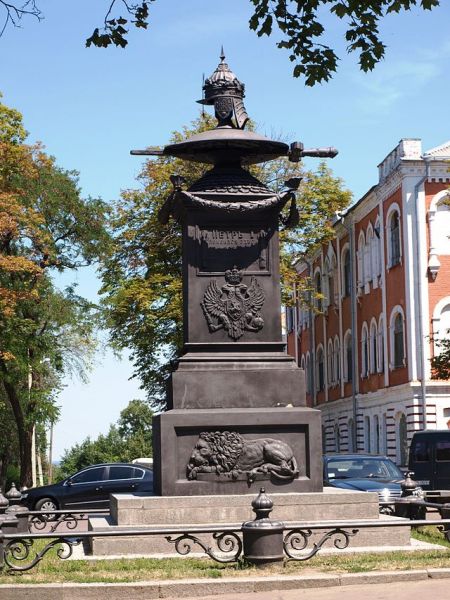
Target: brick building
(385,282)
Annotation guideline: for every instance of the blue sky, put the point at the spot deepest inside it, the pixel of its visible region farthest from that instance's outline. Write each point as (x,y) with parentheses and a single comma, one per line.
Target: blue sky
(91,106)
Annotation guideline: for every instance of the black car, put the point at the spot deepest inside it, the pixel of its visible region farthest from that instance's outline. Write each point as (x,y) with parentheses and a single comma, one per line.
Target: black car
(365,473)
(90,487)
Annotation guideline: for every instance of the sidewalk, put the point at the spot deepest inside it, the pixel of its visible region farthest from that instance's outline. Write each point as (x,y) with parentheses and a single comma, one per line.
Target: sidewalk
(382,585)
(438,589)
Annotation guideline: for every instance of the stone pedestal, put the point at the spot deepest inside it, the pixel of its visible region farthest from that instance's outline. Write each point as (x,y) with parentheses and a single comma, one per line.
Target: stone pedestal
(176,434)
(145,510)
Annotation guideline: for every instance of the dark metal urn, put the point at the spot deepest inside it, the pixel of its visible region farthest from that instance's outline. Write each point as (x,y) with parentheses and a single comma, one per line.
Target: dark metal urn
(237,400)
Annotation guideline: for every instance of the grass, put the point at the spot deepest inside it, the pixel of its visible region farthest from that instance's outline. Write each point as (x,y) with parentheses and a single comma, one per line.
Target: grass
(430,535)
(54,570)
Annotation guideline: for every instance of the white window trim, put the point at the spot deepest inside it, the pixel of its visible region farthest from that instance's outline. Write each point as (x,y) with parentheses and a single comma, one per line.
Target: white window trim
(360,261)
(395,311)
(380,349)
(394,207)
(308,374)
(345,249)
(330,363)
(370,275)
(337,360)
(317,271)
(347,335)
(365,367)
(436,318)
(320,348)
(376,281)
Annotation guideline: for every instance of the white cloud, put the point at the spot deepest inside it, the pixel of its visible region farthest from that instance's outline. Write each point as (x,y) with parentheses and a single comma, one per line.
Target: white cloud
(393,82)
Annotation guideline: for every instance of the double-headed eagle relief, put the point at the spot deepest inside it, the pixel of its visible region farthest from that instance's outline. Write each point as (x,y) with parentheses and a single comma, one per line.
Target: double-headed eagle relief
(234,307)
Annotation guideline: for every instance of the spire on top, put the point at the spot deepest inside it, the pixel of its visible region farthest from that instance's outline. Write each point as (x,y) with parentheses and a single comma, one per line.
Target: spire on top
(222,55)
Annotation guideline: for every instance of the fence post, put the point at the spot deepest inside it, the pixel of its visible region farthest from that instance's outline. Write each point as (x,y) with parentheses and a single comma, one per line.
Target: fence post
(263,538)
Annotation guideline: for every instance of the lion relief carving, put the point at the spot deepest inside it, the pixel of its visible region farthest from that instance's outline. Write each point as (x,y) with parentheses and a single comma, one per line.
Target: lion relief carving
(227,452)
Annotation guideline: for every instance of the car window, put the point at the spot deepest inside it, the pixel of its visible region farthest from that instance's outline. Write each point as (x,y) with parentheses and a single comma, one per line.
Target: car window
(95,474)
(420,451)
(442,451)
(121,472)
(348,468)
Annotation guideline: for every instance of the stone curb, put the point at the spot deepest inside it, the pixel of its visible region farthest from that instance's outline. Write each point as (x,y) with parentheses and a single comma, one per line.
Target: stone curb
(191,588)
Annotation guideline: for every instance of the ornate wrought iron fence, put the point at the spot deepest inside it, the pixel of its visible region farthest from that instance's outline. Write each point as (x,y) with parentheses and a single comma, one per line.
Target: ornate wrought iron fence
(39,520)
(16,550)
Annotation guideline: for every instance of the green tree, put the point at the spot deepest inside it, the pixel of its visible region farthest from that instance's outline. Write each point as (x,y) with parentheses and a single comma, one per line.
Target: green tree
(300,23)
(130,438)
(45,227)
(440,363)
(142,275)
(9,450)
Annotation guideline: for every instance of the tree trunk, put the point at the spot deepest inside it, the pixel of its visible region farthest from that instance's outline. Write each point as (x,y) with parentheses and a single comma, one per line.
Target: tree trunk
(3,469)
(24,432)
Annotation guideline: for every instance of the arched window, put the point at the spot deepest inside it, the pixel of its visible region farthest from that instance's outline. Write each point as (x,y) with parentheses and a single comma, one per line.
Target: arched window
(397,338)
(376,251)
(348,373)
(326,284)
(330,363)
(373,347)
(394,239)
(320,379)
(380,355)
(364,351)
(331,282)
(346,273)
(441,324)
(318,290)
(440,224)
(360,254)
(337,360)
(308,374)
(368,255)
(302,362)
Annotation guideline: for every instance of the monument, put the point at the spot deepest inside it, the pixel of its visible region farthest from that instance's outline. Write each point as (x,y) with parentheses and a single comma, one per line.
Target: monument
(237,418)
(237,414)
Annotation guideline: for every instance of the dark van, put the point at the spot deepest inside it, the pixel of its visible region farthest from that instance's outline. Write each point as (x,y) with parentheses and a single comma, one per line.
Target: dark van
(429,458)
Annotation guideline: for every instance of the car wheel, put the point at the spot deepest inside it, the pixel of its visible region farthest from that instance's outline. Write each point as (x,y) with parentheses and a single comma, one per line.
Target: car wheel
(46,504)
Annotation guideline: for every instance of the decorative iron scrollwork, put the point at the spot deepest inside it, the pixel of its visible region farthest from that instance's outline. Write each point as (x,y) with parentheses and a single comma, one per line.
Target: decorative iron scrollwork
(40,522)
(19,551)
(297,540)
(228,543)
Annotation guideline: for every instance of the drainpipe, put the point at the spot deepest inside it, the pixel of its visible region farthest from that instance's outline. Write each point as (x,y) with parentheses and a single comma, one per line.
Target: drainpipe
(419,292)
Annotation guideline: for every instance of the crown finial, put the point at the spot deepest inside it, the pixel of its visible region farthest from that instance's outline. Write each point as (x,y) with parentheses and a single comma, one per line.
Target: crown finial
(222,55)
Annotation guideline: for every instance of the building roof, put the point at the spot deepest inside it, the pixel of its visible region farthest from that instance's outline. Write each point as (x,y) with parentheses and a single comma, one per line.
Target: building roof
(440,152)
